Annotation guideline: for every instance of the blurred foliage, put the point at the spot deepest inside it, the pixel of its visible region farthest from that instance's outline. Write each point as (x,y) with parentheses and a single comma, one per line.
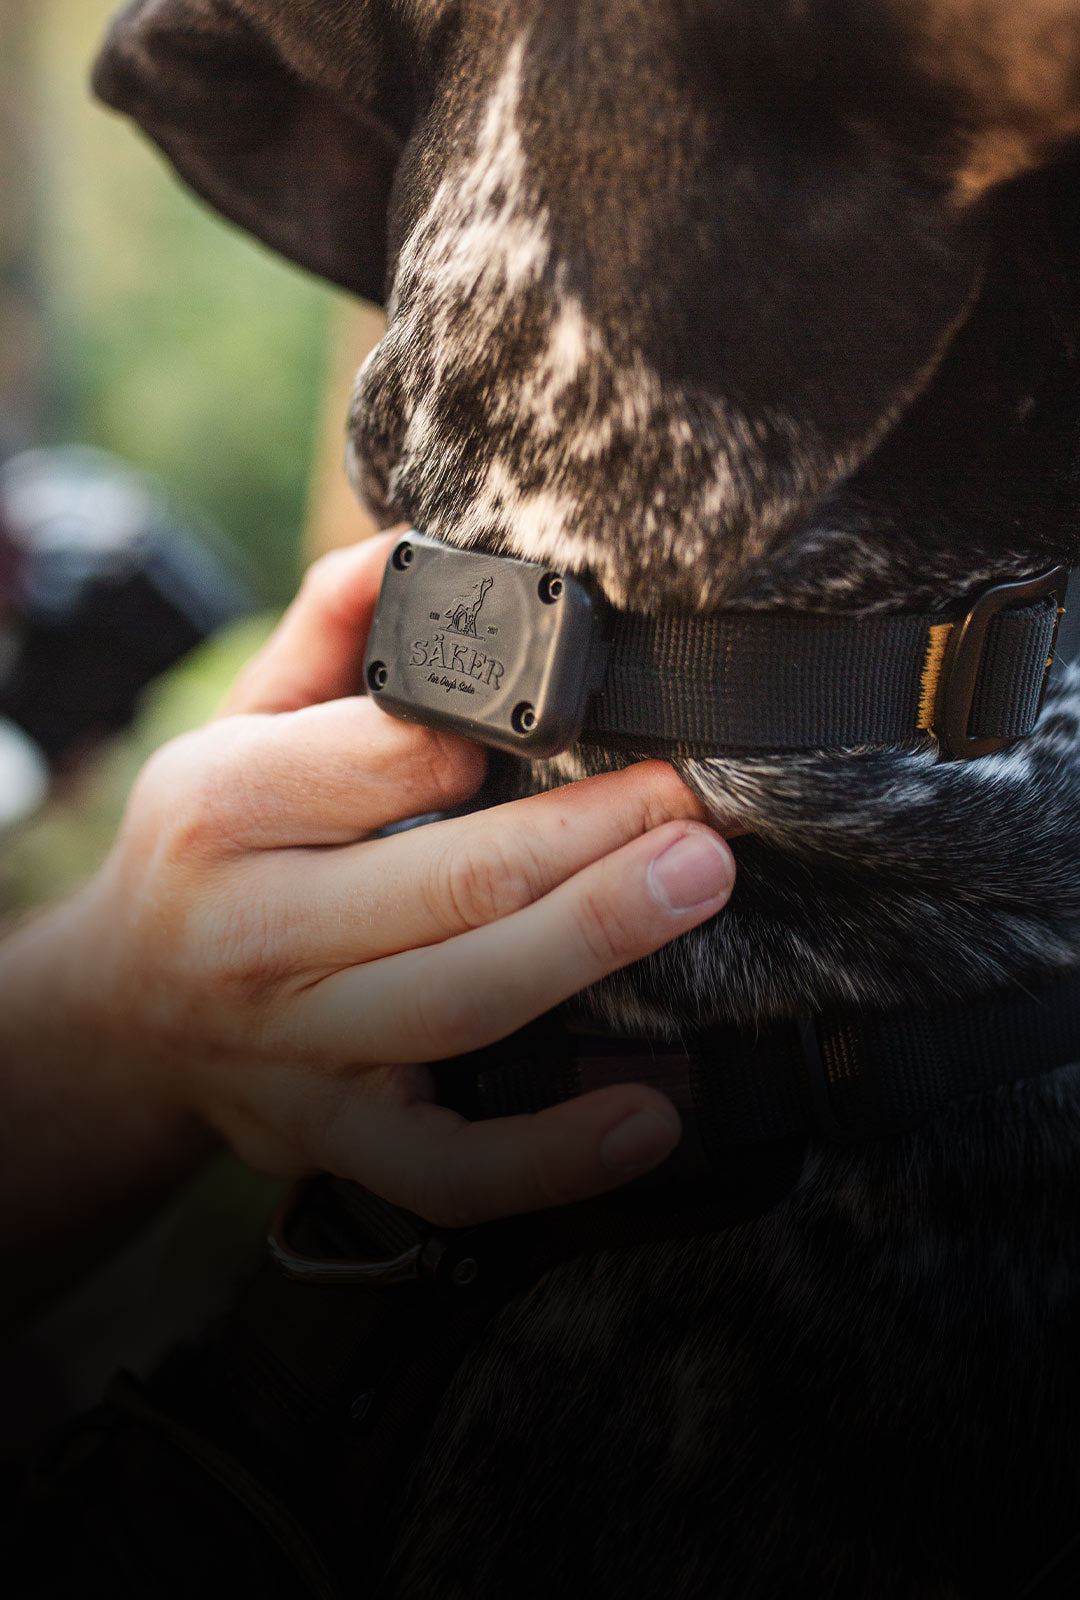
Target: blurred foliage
(185,348)
(171,338)
(181,346)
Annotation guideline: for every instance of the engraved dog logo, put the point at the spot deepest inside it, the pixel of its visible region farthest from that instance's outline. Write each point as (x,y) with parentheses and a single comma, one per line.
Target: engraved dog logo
(462,615)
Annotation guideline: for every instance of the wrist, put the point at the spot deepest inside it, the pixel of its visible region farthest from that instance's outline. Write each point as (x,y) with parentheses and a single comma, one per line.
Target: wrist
(68,1027)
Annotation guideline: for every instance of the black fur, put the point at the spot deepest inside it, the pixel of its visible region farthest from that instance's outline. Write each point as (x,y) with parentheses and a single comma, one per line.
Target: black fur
(766,304)
(872,1392)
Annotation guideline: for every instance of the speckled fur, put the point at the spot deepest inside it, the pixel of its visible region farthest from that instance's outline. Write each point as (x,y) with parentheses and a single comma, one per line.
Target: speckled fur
(761,305)
(871,1392)
(502,411)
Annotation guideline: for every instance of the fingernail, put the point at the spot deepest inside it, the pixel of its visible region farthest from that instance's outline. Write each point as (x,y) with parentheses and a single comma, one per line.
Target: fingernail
(695,870)
(640,1142)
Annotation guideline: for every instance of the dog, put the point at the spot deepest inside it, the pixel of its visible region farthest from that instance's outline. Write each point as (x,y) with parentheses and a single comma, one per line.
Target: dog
(461,616)
(754,304)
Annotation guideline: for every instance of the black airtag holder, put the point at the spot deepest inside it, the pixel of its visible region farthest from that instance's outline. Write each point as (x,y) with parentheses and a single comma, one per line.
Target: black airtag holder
(501,651)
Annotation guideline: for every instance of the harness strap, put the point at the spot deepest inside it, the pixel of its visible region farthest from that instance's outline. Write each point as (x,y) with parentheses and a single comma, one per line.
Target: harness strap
(305,1409)
(847,1075)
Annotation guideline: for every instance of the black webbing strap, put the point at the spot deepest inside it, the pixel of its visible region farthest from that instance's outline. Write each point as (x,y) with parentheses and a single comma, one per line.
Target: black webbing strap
(896,1069)
(279,1444)
(847,1075)
(1067,648)
(797,681)
(295,1425)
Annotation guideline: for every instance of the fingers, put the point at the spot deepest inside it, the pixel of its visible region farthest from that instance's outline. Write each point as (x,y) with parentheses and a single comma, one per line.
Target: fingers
(428,1004)
(401,893)
(316,651)
(326,775)
(456,1174)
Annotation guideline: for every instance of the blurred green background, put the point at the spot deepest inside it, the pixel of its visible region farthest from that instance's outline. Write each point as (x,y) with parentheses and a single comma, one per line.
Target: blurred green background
(168,338)
(133,320)
(136,321)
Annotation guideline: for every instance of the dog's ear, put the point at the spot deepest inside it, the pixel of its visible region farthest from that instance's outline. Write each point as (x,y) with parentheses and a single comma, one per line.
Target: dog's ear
(281,113)
(1011,72)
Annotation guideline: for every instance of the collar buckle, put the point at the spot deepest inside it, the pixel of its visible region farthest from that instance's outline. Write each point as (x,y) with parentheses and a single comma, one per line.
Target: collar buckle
(964,655)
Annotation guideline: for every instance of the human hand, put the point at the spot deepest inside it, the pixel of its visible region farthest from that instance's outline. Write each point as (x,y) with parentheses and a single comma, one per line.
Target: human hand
(251,956)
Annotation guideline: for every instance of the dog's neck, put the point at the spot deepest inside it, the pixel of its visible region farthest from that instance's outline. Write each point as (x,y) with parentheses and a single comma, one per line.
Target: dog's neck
(889,876)
(732,310)
(876,877)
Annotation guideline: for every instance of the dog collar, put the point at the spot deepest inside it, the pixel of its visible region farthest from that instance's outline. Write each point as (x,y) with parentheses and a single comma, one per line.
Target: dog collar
(531,660)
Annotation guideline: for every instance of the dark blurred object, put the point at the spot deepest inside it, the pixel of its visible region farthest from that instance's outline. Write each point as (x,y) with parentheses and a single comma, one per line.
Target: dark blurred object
(104,584)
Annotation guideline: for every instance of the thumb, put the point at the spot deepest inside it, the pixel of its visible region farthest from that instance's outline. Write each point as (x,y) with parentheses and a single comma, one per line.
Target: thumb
(316,650)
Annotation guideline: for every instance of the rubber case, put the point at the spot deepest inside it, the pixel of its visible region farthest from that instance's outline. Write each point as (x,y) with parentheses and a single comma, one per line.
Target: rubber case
(501,651)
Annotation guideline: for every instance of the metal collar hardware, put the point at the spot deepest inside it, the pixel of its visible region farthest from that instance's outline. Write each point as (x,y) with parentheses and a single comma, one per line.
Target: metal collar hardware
(965,652)
(530,660)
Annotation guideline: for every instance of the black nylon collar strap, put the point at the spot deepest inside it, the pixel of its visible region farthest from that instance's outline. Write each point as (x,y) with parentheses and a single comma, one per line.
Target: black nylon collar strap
(694,685)
(848,1076)
(529,660)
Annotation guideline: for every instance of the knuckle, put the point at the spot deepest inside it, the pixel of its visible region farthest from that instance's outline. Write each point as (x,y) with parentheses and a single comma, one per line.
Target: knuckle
(667,797)
(449,1018)
(242,966)
(606,928)
(241,949)
(551,1184)
(324,582)
(455,767)
(179,794)
(472,887)
(162,772)
(485,882)
(199,822)
(219,788)
(438,769)
(438,1198)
